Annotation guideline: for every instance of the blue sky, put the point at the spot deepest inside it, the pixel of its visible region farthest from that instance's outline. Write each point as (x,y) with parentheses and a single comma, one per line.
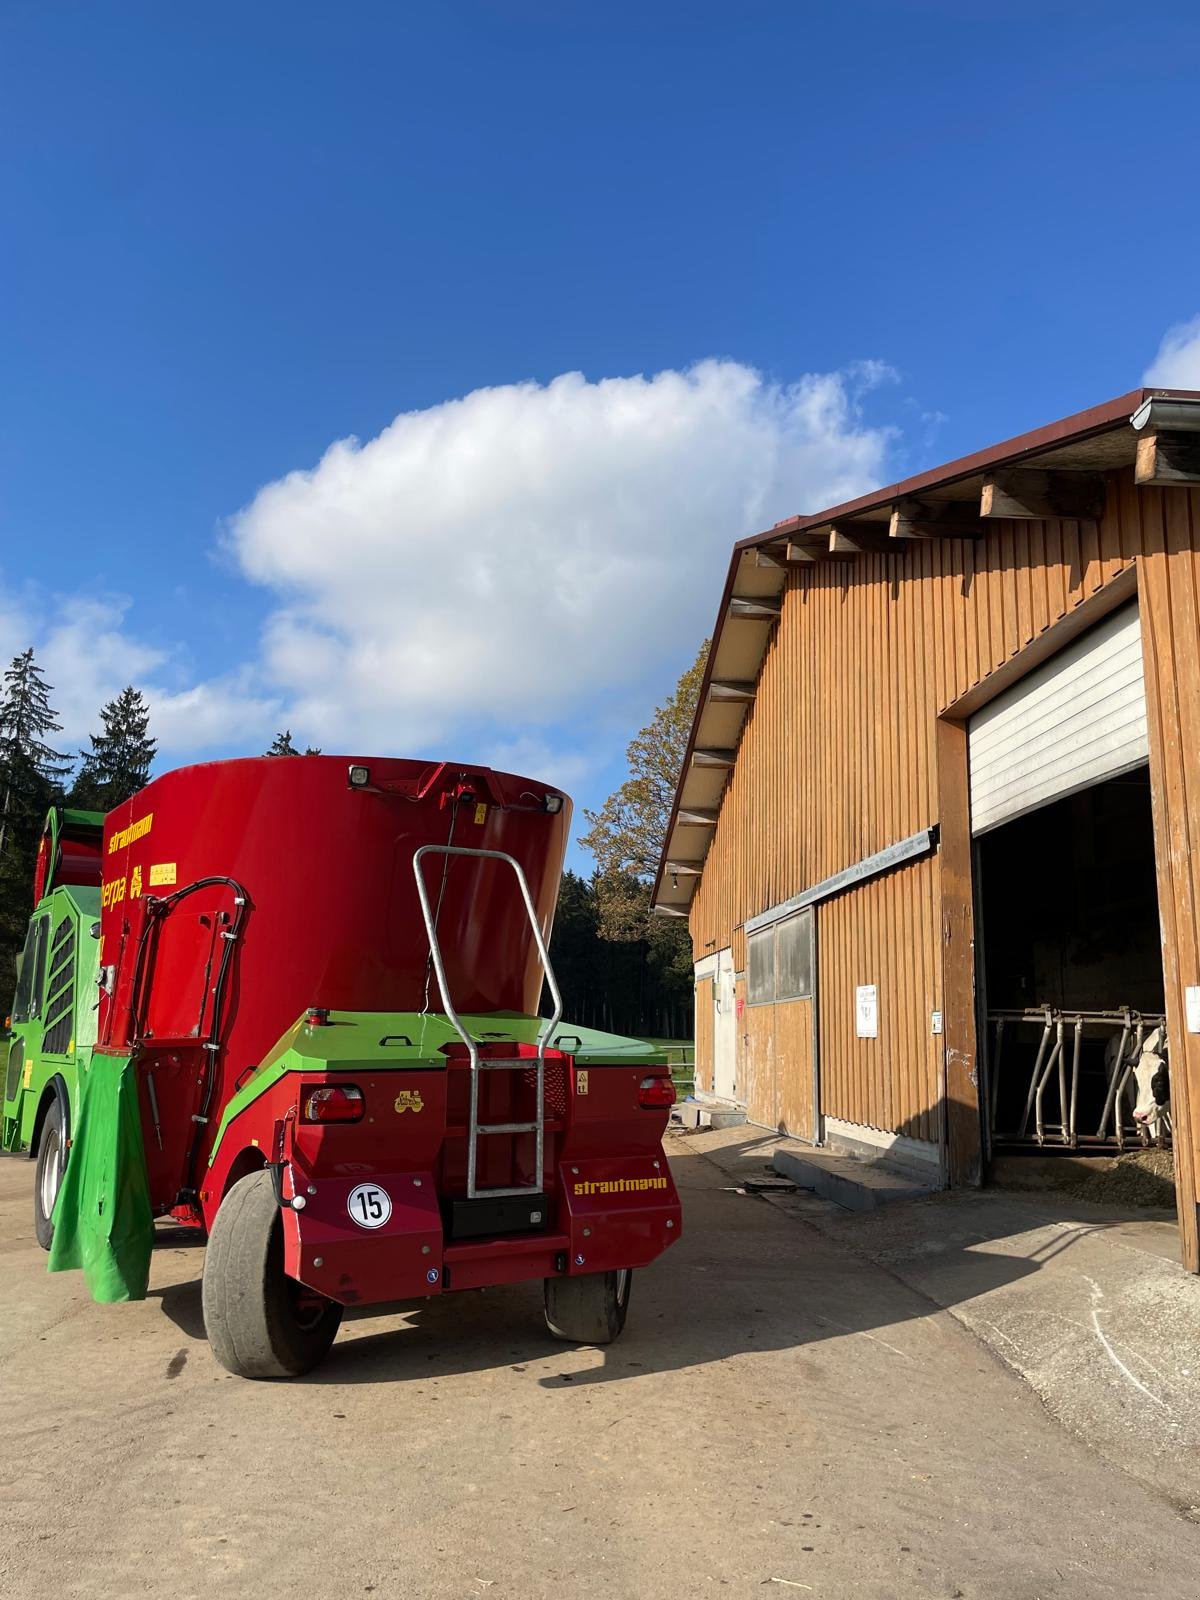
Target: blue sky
(852,240)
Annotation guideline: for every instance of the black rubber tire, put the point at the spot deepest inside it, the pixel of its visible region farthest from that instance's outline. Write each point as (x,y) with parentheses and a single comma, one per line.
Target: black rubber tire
(48,1174)
(589,1309)
(254,1324)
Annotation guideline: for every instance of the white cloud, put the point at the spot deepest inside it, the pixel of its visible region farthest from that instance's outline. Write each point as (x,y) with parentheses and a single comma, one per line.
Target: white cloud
(88,654)
(514,577)
(530,556)
(1177,364)
(88,657)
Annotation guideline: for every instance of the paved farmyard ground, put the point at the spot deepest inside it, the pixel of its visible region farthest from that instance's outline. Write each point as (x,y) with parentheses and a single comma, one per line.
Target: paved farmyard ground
(782,1417)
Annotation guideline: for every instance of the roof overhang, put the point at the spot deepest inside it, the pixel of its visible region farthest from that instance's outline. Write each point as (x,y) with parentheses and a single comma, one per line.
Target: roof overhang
(1055,471)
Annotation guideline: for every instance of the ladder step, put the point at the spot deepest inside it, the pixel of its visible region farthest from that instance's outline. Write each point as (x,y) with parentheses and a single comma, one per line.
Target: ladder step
(495,1194)
(515,1064)
(507,1127)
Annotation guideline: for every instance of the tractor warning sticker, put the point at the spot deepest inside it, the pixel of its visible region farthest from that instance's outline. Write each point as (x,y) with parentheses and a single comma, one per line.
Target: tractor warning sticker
(163,872)
(480,813)
(369,1205)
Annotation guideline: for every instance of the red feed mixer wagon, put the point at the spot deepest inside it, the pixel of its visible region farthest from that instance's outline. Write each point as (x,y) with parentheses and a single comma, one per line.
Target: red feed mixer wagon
(319,1040)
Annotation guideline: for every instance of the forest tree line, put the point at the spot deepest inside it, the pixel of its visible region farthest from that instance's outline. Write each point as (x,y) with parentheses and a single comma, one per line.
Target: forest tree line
(619,967)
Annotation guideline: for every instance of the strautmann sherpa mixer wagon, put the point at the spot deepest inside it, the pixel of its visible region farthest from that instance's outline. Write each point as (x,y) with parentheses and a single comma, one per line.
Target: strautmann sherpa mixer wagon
(318,1039)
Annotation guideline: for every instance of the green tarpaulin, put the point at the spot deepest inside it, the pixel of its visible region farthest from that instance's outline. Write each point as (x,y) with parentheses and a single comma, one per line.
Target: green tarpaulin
(102,1218)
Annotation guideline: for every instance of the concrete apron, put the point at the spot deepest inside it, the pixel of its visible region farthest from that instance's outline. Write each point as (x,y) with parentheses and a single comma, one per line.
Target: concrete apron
(1089,1305)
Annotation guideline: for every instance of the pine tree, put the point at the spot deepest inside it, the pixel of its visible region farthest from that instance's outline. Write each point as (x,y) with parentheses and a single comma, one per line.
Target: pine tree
(31,776)
(119,762)
(282,745)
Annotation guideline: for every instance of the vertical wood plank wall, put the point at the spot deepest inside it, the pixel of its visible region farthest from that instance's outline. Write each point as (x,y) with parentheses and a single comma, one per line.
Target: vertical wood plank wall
(770,1034)
(1169,596)
(884,933)
(704,1036)
(838,759)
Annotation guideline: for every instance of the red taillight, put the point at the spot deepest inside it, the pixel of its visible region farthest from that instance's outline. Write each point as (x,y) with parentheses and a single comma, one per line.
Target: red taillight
(334,1102)
(656,1094)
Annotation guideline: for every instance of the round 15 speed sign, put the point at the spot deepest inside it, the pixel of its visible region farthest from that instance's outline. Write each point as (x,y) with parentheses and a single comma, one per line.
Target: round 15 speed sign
(369,1205)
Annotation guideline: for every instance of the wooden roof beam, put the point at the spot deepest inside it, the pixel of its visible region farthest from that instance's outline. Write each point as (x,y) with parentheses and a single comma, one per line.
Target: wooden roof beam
(935,519)
(1167,459)
(799,554)
(735,691)
(773,556)
(684,869)
(861,538)
(1028,493)
(696,817)
(713,758)
(756,607)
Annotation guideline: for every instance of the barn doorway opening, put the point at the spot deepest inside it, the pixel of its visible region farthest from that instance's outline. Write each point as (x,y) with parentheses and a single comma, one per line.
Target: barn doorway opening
(1072,967)
(1069,960)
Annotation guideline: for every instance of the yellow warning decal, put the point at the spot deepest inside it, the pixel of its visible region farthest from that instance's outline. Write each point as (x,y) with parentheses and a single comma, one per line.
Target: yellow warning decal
(409,1100)
(581,1083)
(135,884)
(480,812)
(163,872)
(135,830)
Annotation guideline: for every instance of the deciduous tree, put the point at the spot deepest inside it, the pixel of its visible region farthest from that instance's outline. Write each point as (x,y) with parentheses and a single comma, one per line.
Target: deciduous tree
(624,968)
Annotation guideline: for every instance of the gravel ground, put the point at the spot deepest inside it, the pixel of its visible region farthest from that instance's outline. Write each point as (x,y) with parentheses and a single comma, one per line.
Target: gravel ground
(781,1416)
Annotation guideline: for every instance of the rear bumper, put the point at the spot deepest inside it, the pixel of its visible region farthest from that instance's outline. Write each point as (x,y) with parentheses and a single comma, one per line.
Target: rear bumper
(609,1214)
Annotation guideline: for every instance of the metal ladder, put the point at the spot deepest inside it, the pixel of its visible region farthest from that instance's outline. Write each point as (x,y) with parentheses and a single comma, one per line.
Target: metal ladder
(476,1129)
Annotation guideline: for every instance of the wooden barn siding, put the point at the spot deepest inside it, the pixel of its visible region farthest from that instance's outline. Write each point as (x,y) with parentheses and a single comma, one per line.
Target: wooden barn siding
(837,757)
(1169,595)
(775,1067)
(704,1036)
(882,933)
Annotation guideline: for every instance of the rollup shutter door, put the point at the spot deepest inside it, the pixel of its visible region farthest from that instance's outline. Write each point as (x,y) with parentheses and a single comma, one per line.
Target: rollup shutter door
(1074,721)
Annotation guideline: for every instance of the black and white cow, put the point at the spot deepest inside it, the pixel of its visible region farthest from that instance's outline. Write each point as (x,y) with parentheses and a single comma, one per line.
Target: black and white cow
(1151,1087)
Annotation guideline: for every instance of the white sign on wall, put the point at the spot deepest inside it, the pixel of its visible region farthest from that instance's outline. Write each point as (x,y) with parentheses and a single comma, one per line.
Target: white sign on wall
(866,1011)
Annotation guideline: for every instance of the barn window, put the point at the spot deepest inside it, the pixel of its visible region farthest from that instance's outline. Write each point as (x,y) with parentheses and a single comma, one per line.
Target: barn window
(760,952)
(793,958)
(780,961)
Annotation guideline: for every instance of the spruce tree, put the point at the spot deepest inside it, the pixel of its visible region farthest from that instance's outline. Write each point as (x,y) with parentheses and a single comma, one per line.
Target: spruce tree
(119,762)
(282,745)
(31,776)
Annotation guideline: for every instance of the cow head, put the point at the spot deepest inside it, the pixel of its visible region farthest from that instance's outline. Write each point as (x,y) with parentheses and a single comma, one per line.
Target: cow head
(1153,1103)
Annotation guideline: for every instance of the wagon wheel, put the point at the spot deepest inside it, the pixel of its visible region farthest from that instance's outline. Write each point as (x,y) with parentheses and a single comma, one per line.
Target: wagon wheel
(260,1323)
(51,1164)
(588,1309)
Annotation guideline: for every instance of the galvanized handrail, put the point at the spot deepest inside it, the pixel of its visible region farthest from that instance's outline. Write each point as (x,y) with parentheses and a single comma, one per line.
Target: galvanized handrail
(548,1027)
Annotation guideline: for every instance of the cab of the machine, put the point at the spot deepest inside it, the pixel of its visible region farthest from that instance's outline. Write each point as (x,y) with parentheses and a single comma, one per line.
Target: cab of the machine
(52,1016)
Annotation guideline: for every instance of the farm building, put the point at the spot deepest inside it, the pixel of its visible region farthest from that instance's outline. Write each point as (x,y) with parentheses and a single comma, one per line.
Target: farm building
(937,832)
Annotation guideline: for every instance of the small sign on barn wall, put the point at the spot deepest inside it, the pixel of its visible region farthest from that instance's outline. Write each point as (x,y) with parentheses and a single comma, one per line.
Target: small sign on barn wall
(866,1011)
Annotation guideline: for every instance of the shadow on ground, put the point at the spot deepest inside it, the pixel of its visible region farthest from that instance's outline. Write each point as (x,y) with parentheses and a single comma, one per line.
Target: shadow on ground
(716,1295)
